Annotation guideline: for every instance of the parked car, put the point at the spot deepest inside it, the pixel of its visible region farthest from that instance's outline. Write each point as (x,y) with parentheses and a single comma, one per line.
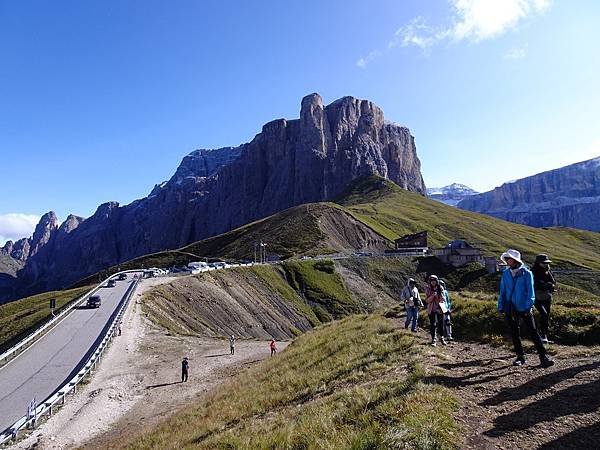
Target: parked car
(122,276)
(111,283)
(94,301)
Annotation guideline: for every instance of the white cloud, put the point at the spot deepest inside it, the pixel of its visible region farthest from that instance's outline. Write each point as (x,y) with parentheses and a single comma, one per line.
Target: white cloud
(516,53)
(477,20)
(362,62)
(471,20)
(14,226)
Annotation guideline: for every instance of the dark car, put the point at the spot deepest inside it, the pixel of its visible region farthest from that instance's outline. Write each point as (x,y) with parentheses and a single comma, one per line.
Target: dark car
(122,276)
(111,283)
(94,301)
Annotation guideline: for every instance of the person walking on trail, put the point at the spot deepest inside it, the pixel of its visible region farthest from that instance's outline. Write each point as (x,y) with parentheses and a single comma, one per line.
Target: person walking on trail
(232,344)
(435,309)
(412,303)
(447,313)
(544,285)
(185,366)
(273,347)
(516,299)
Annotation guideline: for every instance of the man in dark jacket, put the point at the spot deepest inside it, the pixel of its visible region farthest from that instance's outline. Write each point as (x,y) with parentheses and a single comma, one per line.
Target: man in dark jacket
(516,300)
(184,369)
(544,284)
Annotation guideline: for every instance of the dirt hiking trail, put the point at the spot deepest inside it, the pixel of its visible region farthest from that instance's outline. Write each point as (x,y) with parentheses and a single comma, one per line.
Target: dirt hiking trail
(528,407)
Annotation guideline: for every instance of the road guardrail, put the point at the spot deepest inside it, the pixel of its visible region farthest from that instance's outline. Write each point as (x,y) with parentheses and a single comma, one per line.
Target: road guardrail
(45,407)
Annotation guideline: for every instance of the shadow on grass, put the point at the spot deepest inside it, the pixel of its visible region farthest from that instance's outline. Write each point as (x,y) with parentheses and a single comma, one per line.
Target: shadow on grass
(216,356)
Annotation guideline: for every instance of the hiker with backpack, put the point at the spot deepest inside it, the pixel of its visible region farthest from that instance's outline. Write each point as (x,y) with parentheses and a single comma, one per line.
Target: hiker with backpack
(516,299)
(435,309)
(447,312)
(544,285)
(412,303)
(273,347)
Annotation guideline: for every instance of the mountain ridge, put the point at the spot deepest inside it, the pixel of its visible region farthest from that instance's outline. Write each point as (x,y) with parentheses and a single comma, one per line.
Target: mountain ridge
(568,196)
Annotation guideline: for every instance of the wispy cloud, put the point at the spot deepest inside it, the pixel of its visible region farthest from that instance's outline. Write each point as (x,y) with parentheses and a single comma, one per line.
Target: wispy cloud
(516,53)
(471,20)
(15,226)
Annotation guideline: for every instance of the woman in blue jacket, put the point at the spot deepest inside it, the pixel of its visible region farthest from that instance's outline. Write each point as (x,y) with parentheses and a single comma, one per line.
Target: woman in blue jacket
(516,299)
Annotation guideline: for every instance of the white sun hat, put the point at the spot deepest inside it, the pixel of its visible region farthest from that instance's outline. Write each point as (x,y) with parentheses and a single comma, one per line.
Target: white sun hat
(513,254)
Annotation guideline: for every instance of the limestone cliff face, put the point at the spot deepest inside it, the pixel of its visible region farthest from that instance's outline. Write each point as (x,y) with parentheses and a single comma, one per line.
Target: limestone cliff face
(566,197)
(290,162)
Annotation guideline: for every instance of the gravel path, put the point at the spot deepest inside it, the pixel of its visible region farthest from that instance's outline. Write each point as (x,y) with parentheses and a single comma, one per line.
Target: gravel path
(506,407)
(138,382)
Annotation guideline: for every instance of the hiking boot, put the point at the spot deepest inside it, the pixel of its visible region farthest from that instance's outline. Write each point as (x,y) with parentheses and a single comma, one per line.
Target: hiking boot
(546,362)
(414,330)
(433,343)
(444,342)
(520,361)
(449,338)
(544,339)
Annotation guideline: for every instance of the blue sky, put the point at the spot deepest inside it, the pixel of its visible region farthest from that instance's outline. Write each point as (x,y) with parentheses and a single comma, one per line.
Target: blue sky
(101,100)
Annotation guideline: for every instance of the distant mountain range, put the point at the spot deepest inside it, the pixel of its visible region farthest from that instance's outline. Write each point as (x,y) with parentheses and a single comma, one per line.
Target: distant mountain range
(564,197)
(450,195)
(290,162)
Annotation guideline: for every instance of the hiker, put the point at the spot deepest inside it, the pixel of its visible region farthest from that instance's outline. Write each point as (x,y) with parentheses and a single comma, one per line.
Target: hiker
(184,369)
(435,304)
(412,303)
(544,285)
(447,312)
(120,324)
(232,344)
(273,347)
(516,299)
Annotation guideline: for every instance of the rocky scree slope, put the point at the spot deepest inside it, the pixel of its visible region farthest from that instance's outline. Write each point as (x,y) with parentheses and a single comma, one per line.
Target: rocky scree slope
(291,162)
(566,197)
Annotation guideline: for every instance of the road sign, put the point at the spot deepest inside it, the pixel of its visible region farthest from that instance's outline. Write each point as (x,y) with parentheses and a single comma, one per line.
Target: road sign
(31,409)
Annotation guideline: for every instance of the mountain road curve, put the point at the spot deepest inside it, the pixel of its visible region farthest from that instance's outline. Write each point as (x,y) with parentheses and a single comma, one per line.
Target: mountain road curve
(57,356)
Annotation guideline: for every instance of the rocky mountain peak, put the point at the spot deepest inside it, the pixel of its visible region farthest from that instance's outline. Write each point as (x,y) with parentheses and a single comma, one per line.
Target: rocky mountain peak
(312,158)
(43,232)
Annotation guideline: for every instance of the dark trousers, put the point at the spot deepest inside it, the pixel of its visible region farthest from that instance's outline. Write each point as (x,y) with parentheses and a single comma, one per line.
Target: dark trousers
(436,322)
(184,375)
(514,321)
(543,307)
(232,350)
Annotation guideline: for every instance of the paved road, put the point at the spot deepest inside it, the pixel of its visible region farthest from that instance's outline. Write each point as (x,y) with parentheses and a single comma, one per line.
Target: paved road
(41,369)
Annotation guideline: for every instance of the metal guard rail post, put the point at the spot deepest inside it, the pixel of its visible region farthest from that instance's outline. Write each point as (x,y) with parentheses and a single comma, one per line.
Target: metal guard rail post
(71,385)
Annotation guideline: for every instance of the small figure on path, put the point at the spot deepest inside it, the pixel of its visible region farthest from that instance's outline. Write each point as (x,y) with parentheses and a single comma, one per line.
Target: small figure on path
(232,344)
(120,323)
(544,284)
(185,366)
(435,304)
(412,303)
(516,299)
(273,347)
(447,312)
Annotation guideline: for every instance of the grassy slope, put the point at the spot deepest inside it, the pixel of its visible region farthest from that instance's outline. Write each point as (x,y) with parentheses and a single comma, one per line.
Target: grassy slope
(313,289)
(475,317)
(292,232)
(19,318)
(364,390)
(393,212)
